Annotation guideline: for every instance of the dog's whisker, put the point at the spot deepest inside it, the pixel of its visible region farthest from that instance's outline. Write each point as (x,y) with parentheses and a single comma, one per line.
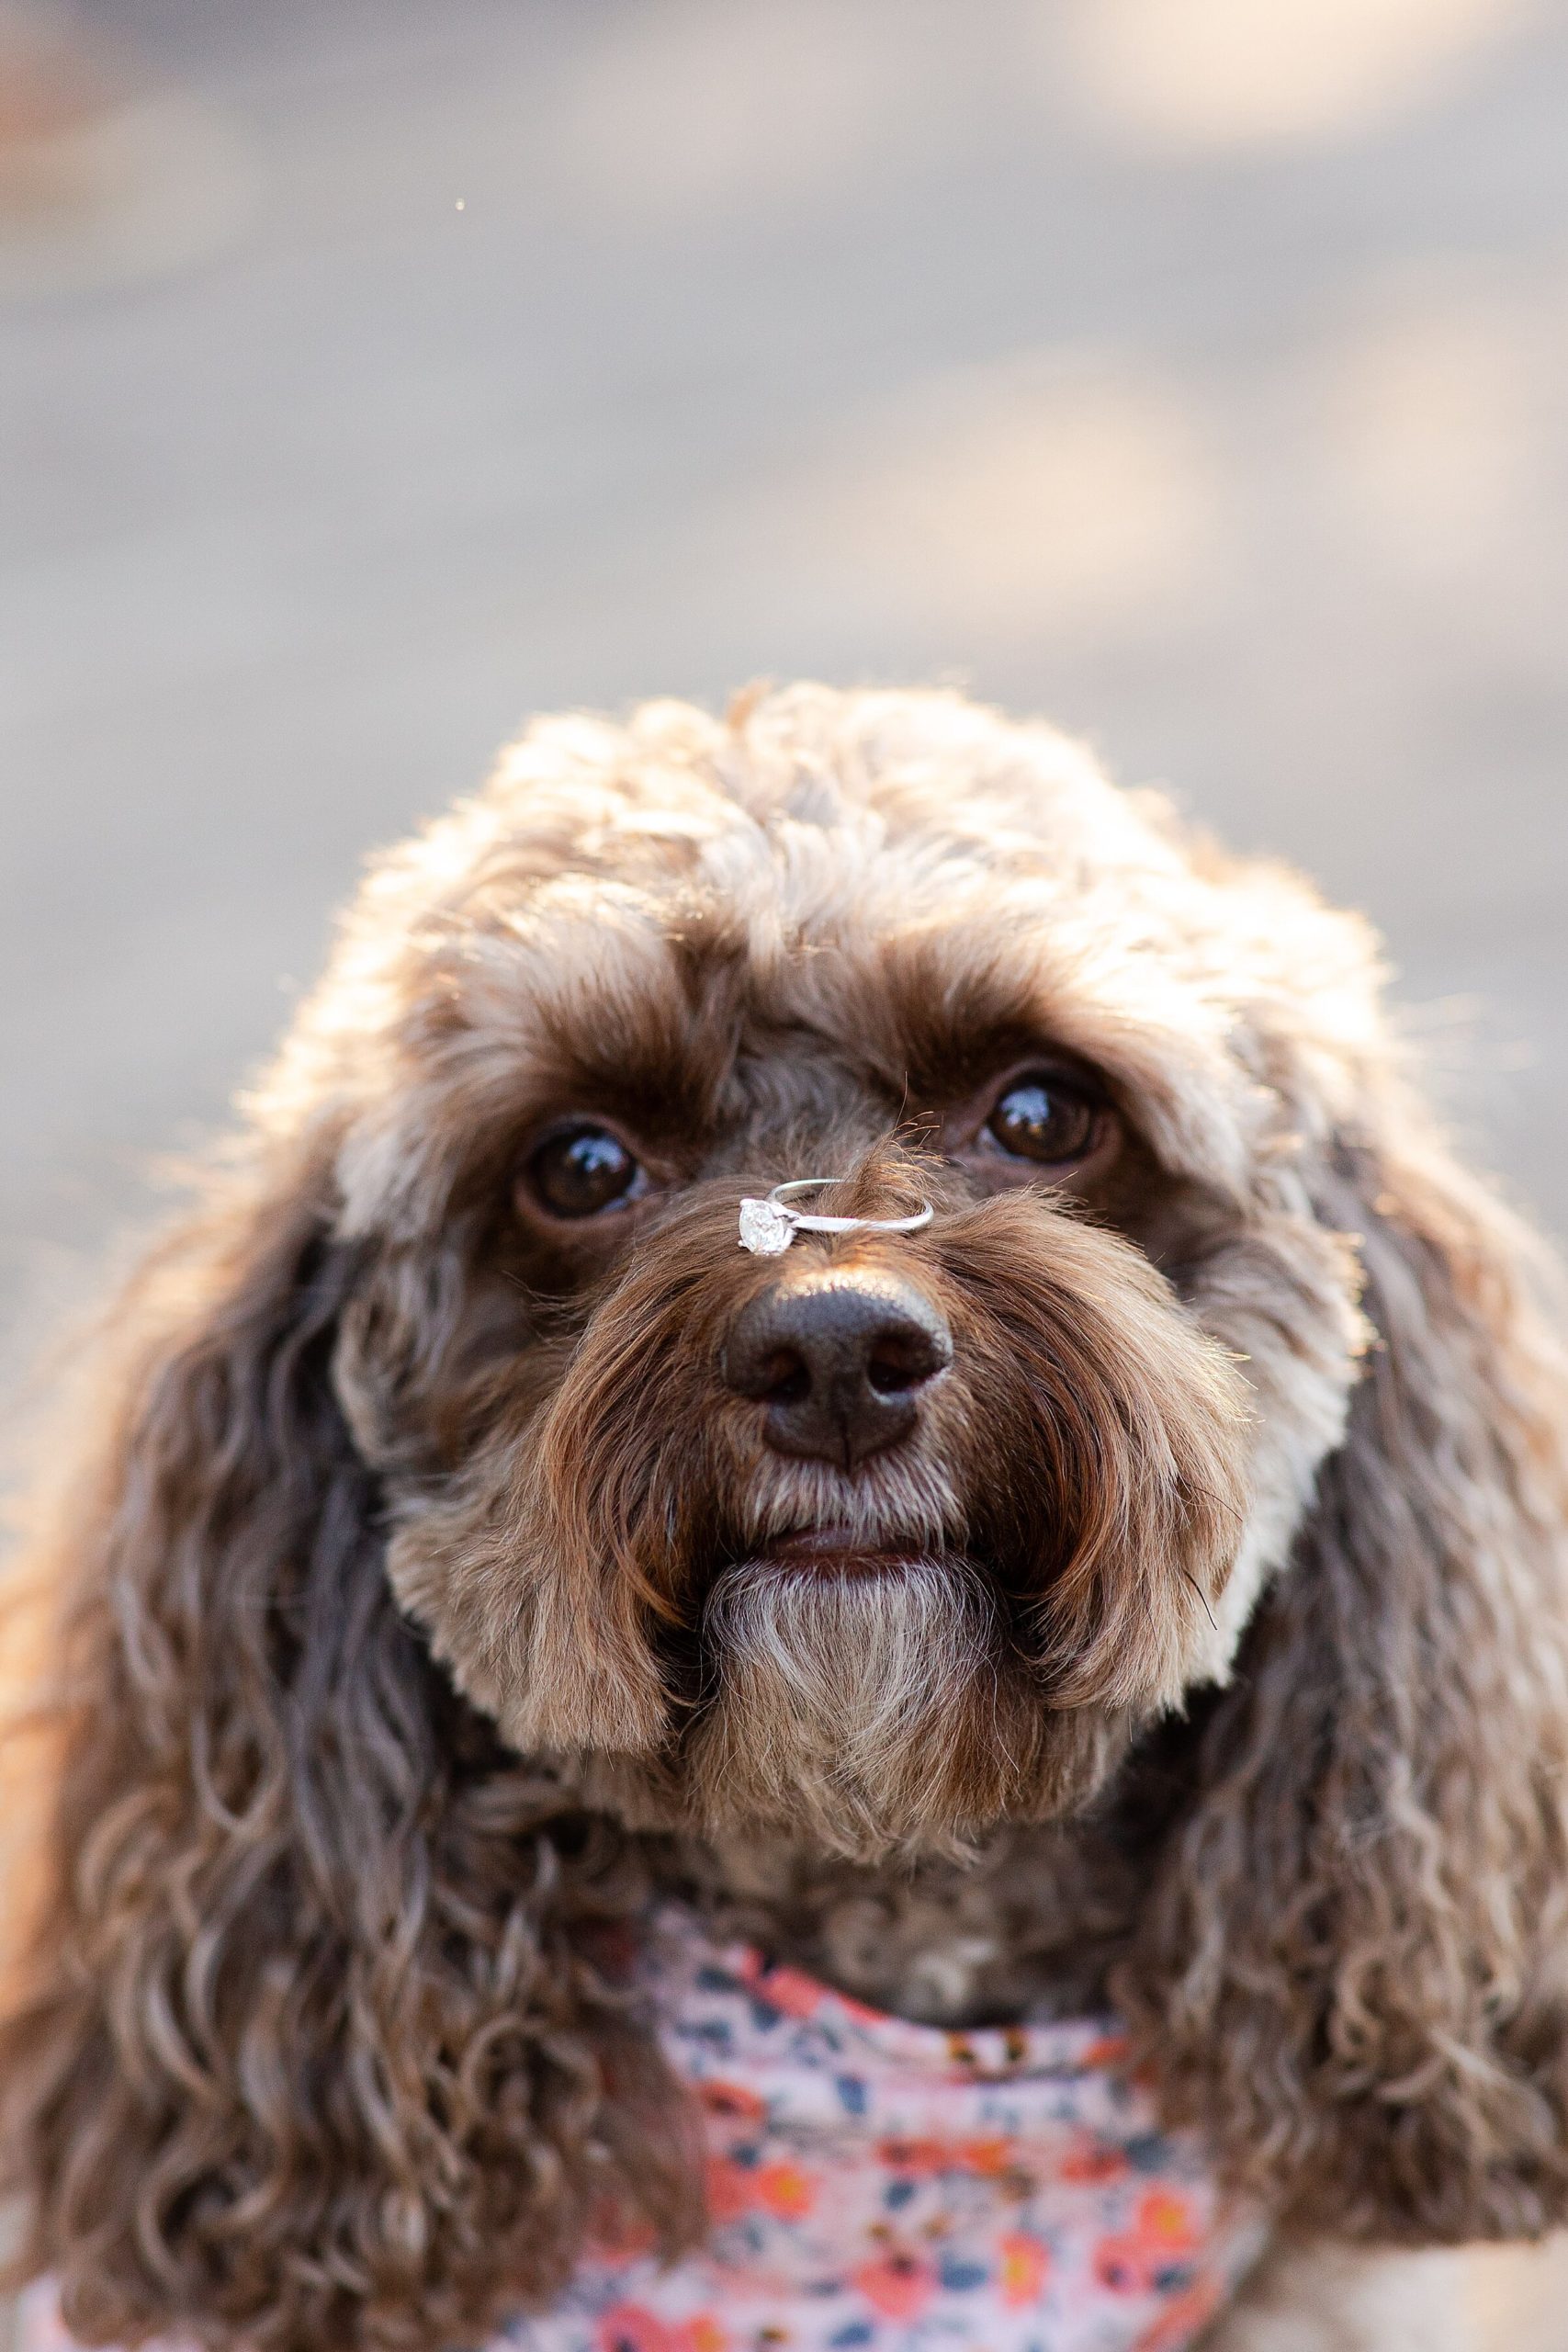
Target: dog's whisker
(1204,1599)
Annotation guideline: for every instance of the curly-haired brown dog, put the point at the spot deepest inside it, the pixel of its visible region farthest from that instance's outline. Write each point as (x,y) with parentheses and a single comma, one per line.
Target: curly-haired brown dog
(1145,1582)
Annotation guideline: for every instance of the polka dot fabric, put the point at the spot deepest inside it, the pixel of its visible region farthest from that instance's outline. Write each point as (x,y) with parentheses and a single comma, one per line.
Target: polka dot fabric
(882,2187)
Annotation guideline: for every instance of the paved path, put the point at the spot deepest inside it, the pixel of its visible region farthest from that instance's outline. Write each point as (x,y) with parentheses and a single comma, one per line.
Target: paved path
(446,360)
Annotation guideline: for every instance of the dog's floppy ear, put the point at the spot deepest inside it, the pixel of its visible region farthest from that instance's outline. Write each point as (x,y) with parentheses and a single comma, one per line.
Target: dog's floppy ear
(1354,1971)
(310,2046)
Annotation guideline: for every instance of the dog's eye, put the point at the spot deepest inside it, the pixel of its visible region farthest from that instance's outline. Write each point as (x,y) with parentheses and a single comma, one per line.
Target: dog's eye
(583,1171)
(1046,1119)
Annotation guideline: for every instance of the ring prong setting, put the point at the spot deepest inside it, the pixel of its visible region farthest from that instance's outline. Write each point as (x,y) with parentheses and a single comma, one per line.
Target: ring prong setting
(766,1229)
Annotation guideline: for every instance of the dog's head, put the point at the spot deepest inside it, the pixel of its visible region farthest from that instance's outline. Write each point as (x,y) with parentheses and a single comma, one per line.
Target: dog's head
(461,1483)
(893,1534)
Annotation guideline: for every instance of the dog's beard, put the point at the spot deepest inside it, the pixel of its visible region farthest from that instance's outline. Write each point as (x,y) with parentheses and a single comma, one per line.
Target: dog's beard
(865,1712)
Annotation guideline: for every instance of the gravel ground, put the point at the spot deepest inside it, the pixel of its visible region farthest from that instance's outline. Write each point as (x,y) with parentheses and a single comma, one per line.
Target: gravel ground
(372,374)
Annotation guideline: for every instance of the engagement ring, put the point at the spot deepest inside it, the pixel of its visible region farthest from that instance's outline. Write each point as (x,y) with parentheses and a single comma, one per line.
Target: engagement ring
(767,1227)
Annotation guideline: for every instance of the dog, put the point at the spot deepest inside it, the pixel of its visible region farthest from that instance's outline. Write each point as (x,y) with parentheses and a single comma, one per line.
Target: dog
(1091,1550)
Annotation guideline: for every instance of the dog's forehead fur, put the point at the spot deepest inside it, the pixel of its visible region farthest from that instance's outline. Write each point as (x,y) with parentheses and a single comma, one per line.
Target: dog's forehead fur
(641,911)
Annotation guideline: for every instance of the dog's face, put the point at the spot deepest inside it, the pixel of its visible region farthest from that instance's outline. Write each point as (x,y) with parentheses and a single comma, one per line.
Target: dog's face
(891,1535)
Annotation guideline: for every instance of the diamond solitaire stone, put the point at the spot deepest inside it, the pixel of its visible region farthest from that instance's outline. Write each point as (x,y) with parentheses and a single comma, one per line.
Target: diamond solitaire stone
(765,1228)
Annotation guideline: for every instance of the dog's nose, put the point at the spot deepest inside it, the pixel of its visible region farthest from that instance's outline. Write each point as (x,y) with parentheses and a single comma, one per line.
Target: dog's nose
(840,1362)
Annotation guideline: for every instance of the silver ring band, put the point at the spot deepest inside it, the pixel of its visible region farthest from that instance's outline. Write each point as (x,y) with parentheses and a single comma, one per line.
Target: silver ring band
(768,1226)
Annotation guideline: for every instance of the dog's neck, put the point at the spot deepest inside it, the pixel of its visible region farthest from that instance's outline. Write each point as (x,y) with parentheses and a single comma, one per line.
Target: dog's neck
(1028,1928)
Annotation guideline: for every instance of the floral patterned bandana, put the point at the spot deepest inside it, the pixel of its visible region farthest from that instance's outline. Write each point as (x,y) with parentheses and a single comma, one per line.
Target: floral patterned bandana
(882,2187)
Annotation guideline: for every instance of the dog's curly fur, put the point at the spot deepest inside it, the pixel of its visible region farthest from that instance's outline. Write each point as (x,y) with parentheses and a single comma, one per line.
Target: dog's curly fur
(419,1620)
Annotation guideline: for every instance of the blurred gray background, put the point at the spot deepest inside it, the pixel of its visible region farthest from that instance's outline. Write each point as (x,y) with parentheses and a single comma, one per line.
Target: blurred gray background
(374,371)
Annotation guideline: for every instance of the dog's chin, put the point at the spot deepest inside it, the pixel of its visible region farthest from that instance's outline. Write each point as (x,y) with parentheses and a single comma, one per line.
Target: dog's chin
(866,1702)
